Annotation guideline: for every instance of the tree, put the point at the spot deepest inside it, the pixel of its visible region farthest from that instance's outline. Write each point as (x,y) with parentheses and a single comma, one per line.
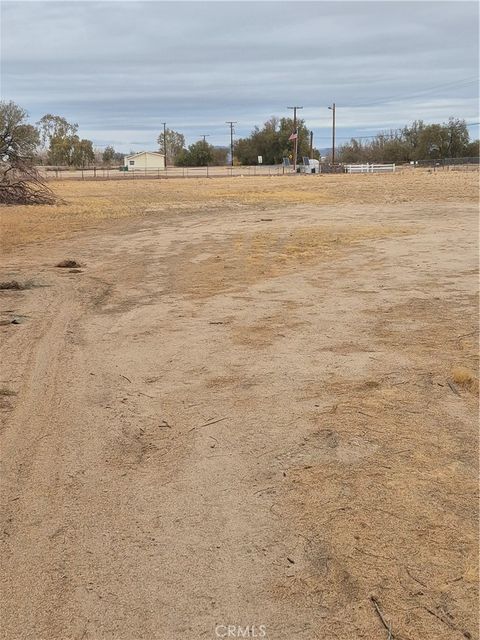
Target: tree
(82,153)
(60,136)
(272,142)
(70,151)
(472,150)
(60,150)
(20,182)
(18,139)
(108,155)
(220,155)
(458,137)
(198,154)
(175,144)
(418,141)
(52,126)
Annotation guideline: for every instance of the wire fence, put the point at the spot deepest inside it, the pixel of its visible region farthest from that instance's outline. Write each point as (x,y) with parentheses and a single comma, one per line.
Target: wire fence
(119,173)
(451,164)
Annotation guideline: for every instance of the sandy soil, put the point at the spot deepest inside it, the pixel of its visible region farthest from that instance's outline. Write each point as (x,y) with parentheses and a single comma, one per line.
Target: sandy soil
(241,411)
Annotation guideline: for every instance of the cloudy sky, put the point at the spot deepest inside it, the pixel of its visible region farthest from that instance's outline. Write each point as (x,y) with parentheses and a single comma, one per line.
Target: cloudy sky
(120,69)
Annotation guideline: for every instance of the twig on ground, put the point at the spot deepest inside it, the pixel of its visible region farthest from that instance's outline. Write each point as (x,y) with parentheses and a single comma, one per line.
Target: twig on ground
(212,446)
(122,376)
(448,623)
(382,618)
(415,579)
(372,555)
(453,388)
(145,394)
(208,424)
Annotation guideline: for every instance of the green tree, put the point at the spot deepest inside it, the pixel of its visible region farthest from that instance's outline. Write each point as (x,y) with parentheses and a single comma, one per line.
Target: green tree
(272,142)
(70,151)
(60,150)
(457,137)
(18,139)
(219,155)
(175,144)
(111,157)
(52,126)
(82,153)
(108,155)
(198,154)
(472,150)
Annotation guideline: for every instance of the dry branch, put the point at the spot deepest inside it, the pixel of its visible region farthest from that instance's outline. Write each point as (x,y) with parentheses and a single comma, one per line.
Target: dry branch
(20,183)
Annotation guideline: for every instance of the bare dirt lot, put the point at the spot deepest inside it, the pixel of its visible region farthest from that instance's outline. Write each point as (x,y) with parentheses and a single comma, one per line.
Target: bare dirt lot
(252,404)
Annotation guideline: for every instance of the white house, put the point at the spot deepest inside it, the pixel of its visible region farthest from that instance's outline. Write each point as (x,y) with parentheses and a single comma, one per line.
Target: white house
(145,160)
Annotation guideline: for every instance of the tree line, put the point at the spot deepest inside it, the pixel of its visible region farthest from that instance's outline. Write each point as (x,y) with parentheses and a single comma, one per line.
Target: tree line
(55,141)
(414,142)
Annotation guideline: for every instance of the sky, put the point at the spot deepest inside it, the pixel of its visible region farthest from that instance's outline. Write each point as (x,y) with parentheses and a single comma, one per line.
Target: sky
(121,68)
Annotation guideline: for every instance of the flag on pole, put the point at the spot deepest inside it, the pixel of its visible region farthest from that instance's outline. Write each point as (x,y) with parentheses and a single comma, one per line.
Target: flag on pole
(294,136)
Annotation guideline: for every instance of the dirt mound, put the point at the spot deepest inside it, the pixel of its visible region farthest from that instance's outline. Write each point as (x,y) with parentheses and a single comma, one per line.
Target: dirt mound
(69,264)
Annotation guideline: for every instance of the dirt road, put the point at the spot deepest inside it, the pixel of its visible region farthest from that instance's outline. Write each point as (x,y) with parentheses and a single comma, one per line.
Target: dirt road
(243,418)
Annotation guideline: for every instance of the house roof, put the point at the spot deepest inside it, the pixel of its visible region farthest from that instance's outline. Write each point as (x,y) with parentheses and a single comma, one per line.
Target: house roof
(150,153)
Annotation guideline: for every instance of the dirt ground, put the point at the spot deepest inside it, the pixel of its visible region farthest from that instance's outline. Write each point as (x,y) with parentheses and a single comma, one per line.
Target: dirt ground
(244,408)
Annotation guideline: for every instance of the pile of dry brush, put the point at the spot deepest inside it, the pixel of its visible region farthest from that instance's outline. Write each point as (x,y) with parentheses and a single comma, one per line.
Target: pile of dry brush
(20,183)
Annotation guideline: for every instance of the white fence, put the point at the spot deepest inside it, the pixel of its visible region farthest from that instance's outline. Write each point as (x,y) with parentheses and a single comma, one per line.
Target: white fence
(370,168)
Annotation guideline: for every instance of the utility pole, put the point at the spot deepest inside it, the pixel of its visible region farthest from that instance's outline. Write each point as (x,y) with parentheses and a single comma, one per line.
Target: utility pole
(165,141)
(295,147)
(332,109)
(311,145)
(231,123)
(205,136)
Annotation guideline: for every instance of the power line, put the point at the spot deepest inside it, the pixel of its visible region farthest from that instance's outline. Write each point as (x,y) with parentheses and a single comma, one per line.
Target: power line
(354,137)
(448,85)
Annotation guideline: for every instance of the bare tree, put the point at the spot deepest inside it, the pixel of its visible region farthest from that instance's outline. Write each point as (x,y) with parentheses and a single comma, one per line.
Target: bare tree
(20,182)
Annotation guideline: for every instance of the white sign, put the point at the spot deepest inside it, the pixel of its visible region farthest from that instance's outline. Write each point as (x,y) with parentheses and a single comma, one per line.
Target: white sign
(260,159)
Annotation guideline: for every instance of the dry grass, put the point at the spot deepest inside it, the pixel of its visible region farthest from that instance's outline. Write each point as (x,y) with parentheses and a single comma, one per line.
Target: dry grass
(465,378)
(245,259)
(4,391)
(88,204)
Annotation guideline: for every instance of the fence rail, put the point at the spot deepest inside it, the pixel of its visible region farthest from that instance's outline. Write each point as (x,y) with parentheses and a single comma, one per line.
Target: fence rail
(116,173)
(370,168)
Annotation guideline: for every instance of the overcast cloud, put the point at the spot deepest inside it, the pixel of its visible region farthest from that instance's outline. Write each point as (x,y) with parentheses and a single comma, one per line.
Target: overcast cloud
(119,69)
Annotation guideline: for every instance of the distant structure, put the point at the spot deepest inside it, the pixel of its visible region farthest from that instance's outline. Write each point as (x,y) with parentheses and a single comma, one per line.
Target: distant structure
(310,165)
(144,160)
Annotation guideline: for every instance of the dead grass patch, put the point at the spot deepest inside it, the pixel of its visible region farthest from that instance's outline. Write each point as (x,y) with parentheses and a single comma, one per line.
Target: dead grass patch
(86,204)
(5,391)
(465,378)
(245,259)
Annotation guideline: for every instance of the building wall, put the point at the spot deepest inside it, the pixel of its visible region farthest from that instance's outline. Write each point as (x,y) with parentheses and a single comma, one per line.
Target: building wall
(146,161)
